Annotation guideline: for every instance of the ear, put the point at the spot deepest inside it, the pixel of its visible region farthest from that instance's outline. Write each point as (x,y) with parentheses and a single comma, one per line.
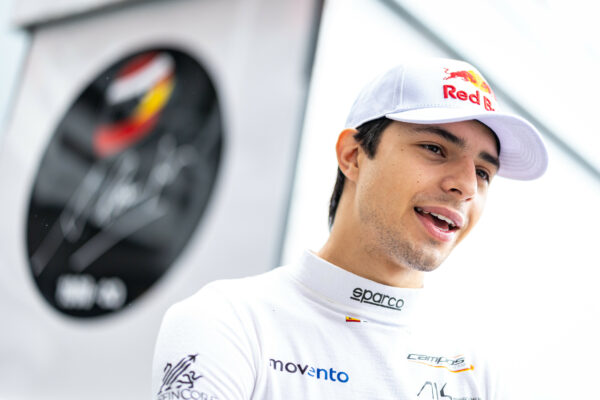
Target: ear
(347,149)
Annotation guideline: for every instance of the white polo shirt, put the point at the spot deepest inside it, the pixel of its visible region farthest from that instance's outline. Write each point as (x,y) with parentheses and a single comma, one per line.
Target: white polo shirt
(310,330)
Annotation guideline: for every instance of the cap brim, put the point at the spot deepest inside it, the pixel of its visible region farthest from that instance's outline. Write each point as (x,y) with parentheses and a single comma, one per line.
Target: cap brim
(523,155)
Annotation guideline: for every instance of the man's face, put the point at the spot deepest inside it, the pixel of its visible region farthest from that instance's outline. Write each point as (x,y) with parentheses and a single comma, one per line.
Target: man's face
(424,190)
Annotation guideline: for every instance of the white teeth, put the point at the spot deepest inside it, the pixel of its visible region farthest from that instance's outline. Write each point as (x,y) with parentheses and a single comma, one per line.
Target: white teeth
(448,220)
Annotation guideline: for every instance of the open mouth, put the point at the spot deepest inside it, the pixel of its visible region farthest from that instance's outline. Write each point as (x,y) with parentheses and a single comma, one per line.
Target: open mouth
(441,222)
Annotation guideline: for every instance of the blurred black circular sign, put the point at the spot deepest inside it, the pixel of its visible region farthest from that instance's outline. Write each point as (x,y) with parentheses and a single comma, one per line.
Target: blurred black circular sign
(124,181)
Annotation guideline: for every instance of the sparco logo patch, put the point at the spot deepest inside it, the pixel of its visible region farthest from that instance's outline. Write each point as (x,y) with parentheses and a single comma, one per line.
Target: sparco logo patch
(179,379)
(309,371)
(377,299)
(123,183)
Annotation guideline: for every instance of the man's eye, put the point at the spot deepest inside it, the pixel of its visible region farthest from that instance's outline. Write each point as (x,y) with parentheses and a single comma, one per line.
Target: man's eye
(483,175)
(433,148)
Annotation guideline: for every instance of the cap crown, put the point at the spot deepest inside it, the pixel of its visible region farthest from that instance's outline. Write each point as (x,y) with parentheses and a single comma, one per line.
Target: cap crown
(443,83)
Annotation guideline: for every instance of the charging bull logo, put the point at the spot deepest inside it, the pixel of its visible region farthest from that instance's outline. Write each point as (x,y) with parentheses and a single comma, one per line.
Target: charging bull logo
(471,77)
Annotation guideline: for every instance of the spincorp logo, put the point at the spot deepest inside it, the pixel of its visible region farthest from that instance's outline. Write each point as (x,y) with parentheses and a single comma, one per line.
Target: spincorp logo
(307,370)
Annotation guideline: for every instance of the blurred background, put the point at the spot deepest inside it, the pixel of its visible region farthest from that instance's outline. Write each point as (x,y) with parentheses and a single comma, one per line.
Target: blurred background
(148,147)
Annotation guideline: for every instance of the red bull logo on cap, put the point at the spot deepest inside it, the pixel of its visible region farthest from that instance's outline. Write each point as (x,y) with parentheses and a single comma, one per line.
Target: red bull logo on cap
(450,91)
(472,77)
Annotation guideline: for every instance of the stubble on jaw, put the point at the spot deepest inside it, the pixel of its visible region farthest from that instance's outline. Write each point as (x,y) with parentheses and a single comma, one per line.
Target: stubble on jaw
(390,243)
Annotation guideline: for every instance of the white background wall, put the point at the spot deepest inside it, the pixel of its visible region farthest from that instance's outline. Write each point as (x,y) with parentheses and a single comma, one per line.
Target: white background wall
(523,285)
(13,44)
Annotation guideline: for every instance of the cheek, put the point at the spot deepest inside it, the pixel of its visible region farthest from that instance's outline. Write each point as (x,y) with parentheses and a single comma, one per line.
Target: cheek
(392,183)
(382,193)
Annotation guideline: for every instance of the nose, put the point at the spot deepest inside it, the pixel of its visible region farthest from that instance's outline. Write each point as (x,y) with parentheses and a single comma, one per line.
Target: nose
(461,179)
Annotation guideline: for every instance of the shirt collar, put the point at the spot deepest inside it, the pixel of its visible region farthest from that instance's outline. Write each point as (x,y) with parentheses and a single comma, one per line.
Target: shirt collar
(358,297)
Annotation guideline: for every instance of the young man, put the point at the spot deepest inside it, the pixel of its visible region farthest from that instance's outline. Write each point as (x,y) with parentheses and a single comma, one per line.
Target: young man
(422,145)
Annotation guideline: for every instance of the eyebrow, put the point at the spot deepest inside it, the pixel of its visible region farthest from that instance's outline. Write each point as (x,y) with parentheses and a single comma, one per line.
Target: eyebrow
(484,155)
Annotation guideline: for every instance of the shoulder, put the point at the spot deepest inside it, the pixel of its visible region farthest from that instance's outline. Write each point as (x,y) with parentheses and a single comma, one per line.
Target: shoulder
(228,298)
(217,333)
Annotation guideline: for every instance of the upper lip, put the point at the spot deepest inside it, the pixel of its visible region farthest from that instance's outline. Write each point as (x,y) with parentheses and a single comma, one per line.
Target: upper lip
(454,216)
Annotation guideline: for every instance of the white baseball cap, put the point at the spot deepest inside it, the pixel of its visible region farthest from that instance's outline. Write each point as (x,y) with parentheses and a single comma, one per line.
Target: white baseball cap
(437,90)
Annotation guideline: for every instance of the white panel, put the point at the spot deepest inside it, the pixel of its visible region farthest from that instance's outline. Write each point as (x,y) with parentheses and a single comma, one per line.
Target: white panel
(26,12)
(13,44)
(256,52)
(522,286)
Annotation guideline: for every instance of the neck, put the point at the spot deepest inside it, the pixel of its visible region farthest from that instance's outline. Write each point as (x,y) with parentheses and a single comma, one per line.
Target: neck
(354,255)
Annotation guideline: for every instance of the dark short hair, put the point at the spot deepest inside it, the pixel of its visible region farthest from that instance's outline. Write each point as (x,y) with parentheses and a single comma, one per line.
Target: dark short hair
(368,136)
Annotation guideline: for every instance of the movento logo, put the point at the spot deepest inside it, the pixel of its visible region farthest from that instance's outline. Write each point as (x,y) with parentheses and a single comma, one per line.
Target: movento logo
(307,370)
(377,299)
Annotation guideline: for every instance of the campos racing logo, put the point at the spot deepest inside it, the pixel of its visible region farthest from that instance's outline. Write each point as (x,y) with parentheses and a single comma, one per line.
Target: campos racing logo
(454,364)
(377,299)
(124,182)
(450,91)
(179,379)
(312,372)
(434,391)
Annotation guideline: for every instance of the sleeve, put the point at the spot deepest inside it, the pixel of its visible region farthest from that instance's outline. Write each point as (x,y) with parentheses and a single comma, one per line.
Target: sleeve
(203,352)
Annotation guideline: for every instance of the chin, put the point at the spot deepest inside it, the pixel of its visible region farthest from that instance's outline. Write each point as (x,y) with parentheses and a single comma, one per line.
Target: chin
(426,265)
(421,258)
